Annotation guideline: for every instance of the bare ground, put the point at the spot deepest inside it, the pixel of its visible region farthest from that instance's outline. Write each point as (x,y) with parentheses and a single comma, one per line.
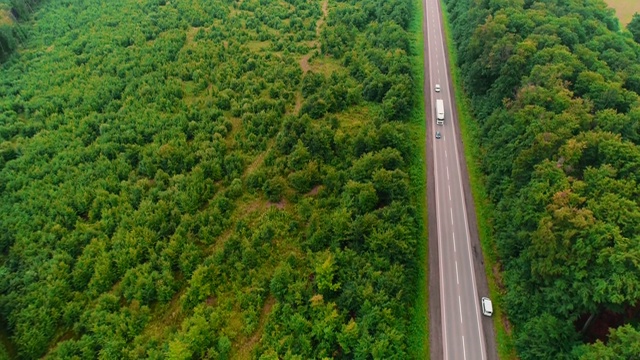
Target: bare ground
(304,63)
(314,191)
(325,12)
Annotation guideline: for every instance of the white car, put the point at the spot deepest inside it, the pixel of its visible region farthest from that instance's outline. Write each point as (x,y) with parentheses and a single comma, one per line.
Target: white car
(487,307)
(437,87)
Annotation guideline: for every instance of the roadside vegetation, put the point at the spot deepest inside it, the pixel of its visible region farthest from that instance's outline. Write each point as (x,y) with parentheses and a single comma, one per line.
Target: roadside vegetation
(419,331)
(228,179)
(554,90)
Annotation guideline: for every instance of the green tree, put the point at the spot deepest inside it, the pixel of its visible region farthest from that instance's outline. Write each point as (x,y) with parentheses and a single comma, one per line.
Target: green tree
(124,184)
(314,106)
(279,284)
(274,188)
(634,27)
(324,274)
(361,197)
(546,337)
(178,350)
(622,343)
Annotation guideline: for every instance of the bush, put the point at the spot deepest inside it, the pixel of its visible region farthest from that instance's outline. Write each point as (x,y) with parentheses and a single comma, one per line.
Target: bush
(274,188)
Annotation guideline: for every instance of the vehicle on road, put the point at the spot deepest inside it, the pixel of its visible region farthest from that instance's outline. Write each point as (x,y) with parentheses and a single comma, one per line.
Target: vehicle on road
(437,87)
(487,307)
(439,112)
(438,135)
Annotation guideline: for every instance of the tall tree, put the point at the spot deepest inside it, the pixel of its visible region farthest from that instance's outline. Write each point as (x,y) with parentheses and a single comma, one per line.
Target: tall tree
(634,27)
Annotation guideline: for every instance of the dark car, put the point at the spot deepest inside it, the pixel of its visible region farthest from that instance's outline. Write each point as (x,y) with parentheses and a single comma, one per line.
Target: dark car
(438,136)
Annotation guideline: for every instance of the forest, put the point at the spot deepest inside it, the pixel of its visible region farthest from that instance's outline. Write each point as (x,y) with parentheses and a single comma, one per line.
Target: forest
(554,89)
(207,179)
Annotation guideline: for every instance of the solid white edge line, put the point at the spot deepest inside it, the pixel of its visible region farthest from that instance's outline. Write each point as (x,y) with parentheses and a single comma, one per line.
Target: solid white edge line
(464,208)
(466,222)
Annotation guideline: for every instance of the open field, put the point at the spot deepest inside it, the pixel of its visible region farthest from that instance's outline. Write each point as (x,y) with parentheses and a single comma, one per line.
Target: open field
(624,9)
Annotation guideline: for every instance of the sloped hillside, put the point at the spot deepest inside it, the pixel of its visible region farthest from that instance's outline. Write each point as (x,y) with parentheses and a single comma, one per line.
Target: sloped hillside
(208,179)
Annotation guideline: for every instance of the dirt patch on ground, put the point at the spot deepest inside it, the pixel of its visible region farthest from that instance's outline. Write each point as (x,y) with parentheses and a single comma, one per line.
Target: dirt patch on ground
(251,207)
(497,275)
(218,244)
(266,309)
(212,300)
(243,211)
(304,63)
(245,348)
(325,11)
(281,204)
(314,191)
(165,317)
(256,163)
(506,324)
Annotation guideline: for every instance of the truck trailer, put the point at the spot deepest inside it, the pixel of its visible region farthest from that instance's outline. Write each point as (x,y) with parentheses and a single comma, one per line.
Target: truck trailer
(439,112)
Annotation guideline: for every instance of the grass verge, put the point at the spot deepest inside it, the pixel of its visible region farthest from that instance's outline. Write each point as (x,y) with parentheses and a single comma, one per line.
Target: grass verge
(418,337)
(484,211)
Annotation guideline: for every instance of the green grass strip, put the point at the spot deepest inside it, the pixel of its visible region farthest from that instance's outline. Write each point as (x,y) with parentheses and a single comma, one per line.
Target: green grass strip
(418,337)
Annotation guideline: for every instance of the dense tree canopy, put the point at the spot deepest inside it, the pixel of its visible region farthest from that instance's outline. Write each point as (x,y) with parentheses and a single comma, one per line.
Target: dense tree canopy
(634,27)
(207,179)
(554,88)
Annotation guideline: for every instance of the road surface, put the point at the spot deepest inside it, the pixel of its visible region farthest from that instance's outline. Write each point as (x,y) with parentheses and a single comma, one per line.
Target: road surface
(459,331)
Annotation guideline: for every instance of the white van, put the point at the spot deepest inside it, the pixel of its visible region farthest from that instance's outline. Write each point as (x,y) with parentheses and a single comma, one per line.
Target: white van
(487,307)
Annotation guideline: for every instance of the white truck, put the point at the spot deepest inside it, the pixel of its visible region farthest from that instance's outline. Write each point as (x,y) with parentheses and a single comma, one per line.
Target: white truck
(439,112)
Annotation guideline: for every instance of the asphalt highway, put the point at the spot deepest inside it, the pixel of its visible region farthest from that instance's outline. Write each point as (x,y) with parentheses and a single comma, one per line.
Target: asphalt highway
(461,321)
